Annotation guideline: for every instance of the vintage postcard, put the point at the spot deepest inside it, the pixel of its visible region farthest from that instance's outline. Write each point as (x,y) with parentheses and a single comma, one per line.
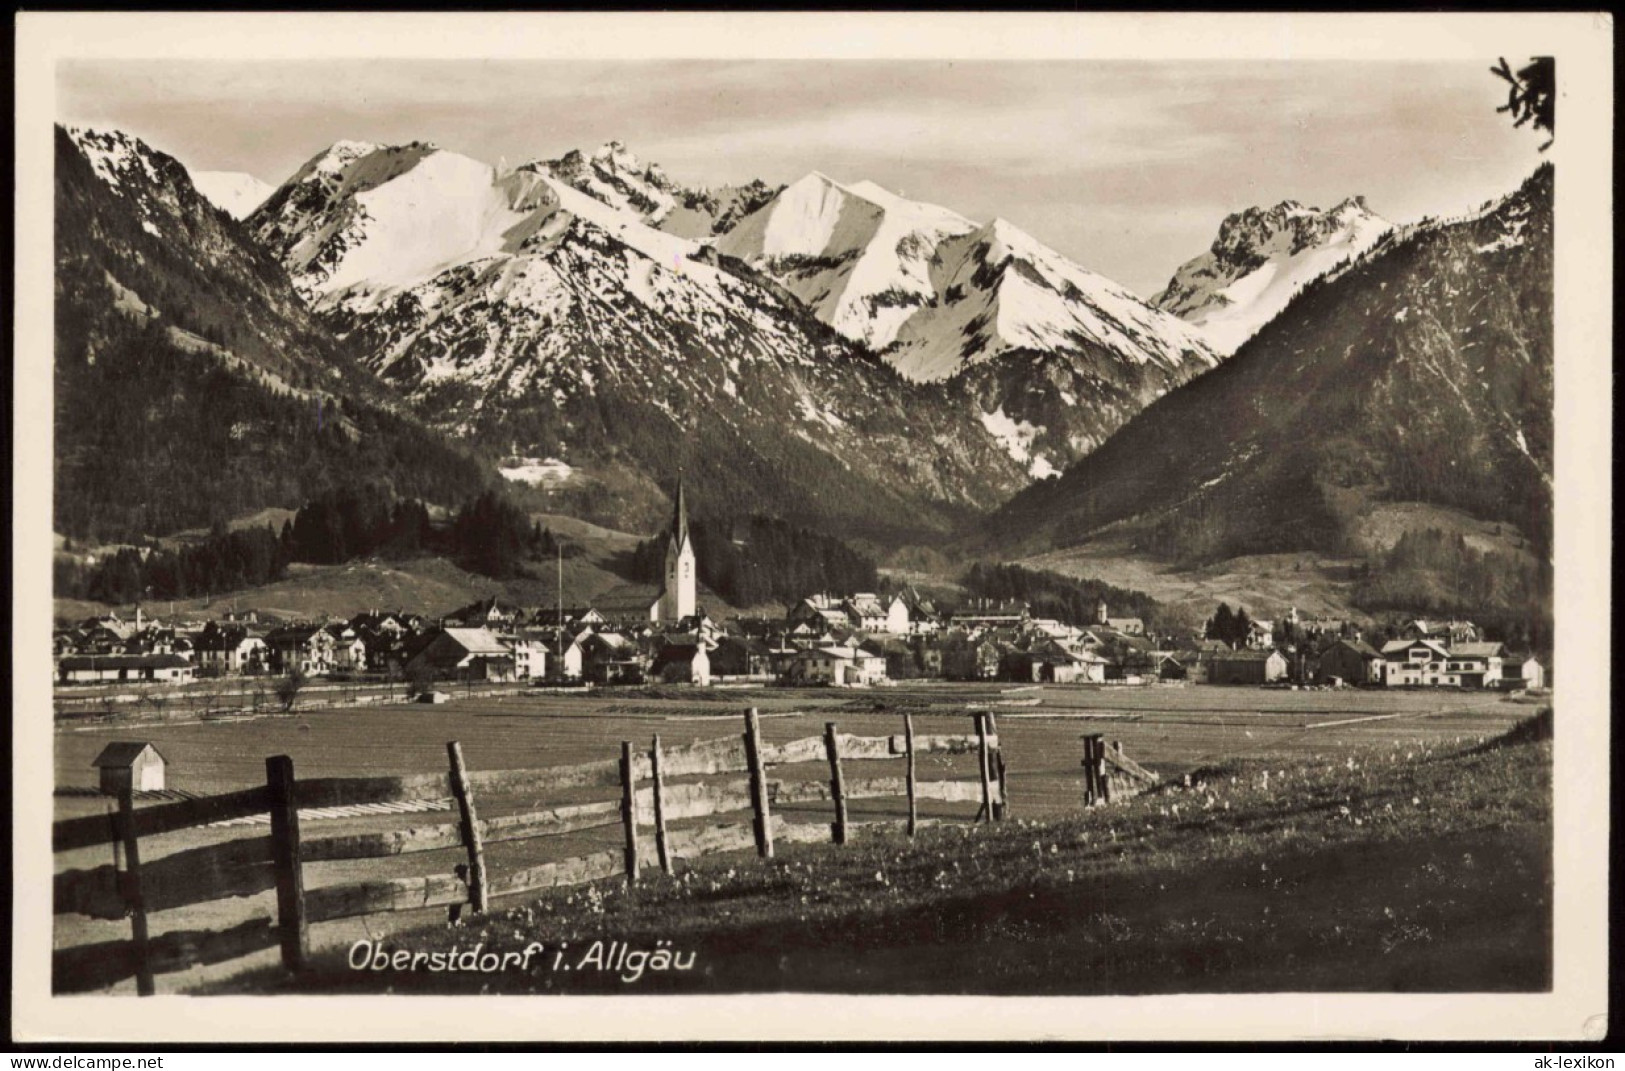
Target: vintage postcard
(800,524)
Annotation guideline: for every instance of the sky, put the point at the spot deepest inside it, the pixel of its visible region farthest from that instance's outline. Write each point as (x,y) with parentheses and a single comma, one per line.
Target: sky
(1126,167)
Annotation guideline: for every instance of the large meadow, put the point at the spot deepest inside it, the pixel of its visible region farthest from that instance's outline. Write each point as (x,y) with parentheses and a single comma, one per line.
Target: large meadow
(1213,735)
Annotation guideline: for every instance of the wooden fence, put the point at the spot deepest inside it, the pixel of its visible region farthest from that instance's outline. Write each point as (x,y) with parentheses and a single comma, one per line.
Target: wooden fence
(656,800)
(1109,774)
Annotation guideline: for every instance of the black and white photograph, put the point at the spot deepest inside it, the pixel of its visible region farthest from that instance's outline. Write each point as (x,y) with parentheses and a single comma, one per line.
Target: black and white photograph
(566,508)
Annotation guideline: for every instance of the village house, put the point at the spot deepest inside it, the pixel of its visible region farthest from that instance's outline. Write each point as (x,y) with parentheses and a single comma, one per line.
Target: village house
(308,648)
(567,657)
(1447,633)
(1310,625)
(626,605)
(818,612)
(349,649)
(1416,662)
(845,665)
(90,669)
(489,613)
(923,619)
(1246,667)
(1049,662)
(1194,665)
(380,624)
(741,656)
(1260,634)
(529,657)
(989,613)
(1477,665)
(574,618)
(681,660)
(973,658)
(610,657)
(230,650)
(466,654)
(1351,661)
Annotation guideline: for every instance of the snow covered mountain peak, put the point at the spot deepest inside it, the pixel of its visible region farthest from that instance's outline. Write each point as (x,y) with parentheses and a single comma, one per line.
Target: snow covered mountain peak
(235,193)
(859,256)
(615,154)
(1260,259)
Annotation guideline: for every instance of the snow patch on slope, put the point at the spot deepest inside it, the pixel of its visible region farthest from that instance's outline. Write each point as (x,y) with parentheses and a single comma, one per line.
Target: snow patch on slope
(1016,436)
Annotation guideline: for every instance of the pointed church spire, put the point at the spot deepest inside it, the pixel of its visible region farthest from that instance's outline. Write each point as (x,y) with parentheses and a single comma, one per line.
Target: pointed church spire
(679,526)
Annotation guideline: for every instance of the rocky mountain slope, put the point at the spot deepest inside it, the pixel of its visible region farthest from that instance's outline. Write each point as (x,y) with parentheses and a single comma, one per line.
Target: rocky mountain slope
(1419,373)
(523,313)
(1260,260)
(192,384)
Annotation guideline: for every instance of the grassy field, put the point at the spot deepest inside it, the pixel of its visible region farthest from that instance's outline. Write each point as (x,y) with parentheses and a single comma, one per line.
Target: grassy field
(1426,871)
(1175,731)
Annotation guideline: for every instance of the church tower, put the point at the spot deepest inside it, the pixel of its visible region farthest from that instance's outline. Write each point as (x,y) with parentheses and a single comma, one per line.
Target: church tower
(677,600)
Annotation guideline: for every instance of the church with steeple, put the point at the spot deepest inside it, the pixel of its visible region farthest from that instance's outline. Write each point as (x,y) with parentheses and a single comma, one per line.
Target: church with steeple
(677,598)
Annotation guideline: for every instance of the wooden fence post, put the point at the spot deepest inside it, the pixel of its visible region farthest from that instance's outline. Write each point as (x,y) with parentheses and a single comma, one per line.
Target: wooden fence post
(1091,791)
(134,902)
(758,785)
(999,802)
(662,849)
(290,877)
(986,769)
(629,810)
(478,895)
(913,800)
(837,785)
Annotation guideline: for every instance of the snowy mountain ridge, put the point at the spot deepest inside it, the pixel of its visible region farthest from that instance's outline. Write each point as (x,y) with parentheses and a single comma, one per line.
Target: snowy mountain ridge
(1260,260)
(516,308)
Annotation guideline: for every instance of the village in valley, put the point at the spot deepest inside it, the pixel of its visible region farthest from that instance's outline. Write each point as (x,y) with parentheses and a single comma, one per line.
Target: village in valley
(638,635)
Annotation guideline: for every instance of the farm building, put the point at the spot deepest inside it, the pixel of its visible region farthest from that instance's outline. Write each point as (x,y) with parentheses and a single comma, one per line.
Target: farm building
(133,765)
(1355,661)
(88,669)
(1246,667)
(465,654)
(1528,674)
